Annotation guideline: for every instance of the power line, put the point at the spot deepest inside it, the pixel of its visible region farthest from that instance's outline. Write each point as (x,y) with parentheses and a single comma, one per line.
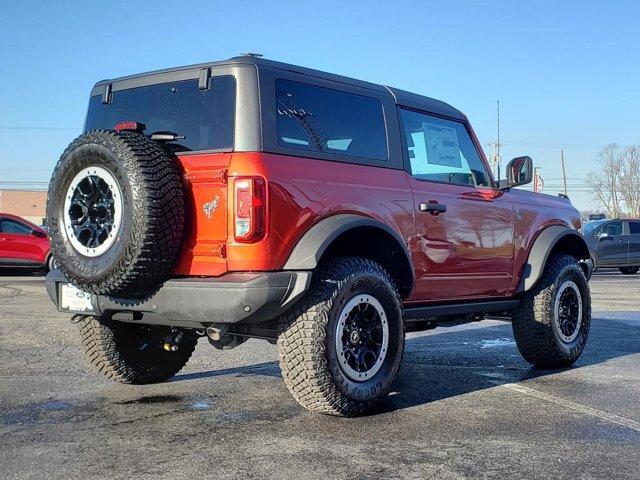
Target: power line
(16,127)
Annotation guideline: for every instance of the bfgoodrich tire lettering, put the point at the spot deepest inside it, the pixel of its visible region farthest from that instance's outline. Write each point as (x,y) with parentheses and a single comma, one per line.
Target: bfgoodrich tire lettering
(307,346)
(150,232)
(535,327)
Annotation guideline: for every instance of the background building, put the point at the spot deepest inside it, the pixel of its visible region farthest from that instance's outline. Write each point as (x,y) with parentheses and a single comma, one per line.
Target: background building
(29,204)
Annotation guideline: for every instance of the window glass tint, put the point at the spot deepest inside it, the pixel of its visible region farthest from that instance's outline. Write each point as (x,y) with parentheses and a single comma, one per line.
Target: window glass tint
(441,150)
(634,228)
(589,227)
(10,226)
(613,228)
(329,121)
(204,117)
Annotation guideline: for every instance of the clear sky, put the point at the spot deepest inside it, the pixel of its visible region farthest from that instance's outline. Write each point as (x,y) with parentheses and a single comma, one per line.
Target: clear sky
(567,73)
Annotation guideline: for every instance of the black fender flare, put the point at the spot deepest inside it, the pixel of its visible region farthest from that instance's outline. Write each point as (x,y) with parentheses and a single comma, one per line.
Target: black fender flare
(310,248)
(542,247)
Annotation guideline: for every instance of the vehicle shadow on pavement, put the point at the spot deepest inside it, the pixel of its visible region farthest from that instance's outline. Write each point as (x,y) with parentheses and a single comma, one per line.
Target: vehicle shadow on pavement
(449,362)
(23,272)
(268,369)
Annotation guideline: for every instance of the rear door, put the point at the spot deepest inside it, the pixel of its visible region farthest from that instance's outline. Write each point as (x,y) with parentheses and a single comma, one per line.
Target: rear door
(613,245)
(201,111)
(634,242)
(463,245)
(206,214)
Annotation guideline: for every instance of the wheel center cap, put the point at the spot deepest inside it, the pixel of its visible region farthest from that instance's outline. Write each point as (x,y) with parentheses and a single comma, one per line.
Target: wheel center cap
(354,338)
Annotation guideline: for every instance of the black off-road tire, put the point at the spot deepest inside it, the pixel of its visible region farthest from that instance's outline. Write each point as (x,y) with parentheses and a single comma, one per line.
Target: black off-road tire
(118,351)
(308,357)
(150,232)
(629,270)
(533,320)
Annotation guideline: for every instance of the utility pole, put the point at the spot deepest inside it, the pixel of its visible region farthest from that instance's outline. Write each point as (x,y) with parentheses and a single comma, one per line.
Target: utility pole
(495,146)
(538,183)
(564,174)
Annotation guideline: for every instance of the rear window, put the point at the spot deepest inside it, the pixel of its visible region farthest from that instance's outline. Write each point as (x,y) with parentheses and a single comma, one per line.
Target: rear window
(329,121)
(204,117)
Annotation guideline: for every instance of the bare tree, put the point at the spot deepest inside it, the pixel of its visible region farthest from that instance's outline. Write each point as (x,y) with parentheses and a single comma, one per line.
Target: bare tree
(630,180)
(606,183)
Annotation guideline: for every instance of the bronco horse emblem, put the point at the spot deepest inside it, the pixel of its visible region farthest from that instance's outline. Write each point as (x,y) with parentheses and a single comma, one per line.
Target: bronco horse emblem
(210,207)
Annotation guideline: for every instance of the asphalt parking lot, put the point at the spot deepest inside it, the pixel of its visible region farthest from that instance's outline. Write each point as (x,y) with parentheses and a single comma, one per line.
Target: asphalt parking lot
(466,406)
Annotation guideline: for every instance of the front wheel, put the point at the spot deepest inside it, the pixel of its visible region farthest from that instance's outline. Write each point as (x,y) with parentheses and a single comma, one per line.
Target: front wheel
(341,347)
(629,270)
(551,324)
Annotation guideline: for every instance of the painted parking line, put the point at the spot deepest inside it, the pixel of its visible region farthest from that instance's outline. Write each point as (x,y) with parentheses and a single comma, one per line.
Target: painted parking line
(594,412)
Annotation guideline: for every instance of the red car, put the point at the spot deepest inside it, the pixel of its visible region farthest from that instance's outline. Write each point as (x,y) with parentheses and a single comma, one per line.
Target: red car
(23,244)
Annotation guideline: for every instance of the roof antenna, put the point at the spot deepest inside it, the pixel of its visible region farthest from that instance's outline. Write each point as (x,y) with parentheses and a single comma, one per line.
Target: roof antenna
(251,54)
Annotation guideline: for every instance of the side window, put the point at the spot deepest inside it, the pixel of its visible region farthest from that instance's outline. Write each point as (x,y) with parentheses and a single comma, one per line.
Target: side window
(10,226)
(329,121)
(442,150)
(611,229)
(634,228)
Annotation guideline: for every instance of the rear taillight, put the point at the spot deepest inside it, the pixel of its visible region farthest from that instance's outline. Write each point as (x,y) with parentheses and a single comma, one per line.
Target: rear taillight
(249,208)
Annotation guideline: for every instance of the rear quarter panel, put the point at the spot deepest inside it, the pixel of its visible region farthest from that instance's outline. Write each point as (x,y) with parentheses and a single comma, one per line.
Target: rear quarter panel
(303,191)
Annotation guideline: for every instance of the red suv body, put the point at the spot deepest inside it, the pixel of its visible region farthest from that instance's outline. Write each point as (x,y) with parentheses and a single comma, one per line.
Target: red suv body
(251,198)
(22,243)
(476,249)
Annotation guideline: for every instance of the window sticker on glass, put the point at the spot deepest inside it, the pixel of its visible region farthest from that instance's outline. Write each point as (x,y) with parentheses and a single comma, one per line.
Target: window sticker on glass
(442,145)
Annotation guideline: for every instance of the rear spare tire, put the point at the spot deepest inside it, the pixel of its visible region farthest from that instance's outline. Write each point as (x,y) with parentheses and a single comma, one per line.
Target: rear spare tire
(115,213)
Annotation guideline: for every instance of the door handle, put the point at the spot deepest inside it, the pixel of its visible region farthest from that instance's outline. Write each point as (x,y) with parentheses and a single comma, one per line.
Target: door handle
(433,207)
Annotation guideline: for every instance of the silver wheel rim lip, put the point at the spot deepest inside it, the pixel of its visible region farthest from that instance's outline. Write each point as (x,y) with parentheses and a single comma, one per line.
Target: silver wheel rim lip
(556,312)
(116,192)
(344,313)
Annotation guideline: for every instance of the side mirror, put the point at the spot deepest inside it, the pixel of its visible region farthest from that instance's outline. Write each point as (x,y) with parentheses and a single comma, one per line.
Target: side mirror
(519,172)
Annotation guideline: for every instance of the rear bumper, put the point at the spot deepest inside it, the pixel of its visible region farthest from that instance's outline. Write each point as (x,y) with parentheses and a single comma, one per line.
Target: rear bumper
(201,302)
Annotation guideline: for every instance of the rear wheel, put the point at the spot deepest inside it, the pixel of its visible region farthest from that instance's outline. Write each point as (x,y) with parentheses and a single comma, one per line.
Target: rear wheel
(52,264)
(551,324)
(629,270)
(341,348)
(137,354)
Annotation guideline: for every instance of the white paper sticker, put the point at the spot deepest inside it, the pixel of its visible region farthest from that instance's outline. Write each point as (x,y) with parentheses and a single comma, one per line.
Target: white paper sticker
(442,145)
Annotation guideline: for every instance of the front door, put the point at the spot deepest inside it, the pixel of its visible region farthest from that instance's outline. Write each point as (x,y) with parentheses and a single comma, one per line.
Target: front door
(18,246)
(463,243)
(613,245)
(634,242)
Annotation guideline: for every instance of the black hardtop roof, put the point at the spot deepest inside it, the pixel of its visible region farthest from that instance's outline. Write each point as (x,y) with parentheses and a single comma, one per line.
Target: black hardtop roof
(403,98)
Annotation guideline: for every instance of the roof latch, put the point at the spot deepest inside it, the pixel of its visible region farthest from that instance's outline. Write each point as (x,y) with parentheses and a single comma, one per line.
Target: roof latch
(106,93)
(203,79)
